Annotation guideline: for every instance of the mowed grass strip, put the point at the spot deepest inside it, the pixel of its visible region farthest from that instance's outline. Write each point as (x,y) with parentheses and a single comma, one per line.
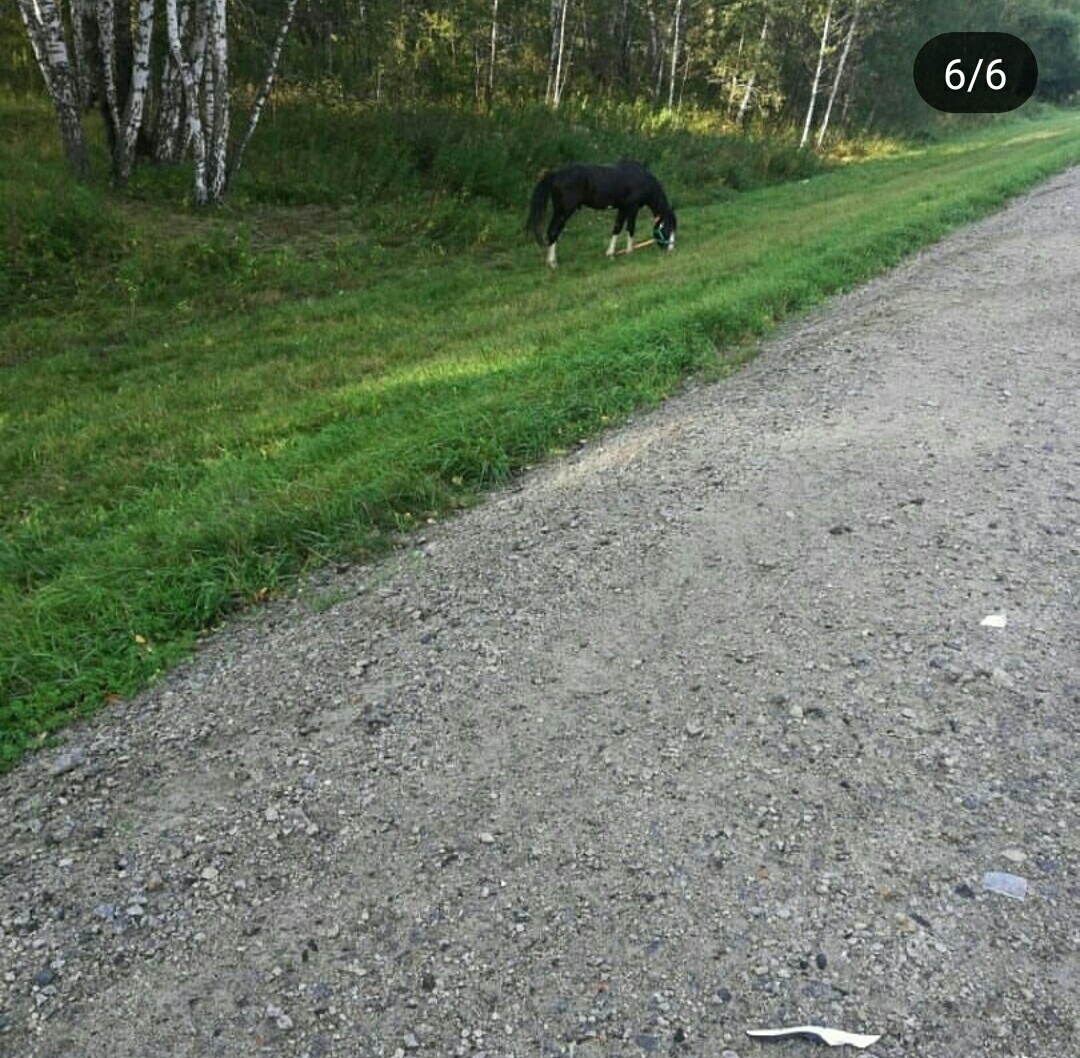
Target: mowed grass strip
(160,477)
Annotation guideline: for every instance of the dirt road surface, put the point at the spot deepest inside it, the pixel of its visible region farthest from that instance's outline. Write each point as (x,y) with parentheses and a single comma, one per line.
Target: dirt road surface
(716,724)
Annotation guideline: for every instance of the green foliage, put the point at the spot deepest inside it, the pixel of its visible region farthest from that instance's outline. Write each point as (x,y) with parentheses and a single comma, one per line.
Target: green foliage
(54,229)
(219,400)
(347,154)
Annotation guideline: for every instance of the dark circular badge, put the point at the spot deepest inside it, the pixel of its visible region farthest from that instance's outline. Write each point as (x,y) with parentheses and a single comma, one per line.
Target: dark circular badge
(975,73)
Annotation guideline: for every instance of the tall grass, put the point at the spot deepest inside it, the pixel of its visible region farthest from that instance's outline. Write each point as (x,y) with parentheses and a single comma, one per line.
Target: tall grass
(212,403)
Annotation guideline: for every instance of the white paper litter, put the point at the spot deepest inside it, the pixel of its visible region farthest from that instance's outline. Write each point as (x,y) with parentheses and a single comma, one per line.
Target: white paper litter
(831,1037)
(1007,884)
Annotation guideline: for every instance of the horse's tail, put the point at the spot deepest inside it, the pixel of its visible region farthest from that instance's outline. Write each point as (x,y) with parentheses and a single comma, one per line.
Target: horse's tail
(538,206)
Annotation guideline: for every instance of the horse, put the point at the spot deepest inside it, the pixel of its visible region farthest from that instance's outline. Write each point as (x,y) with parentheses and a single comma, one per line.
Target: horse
(625,186)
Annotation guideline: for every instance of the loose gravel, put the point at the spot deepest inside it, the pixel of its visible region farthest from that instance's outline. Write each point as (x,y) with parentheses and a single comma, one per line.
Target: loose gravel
(701,729)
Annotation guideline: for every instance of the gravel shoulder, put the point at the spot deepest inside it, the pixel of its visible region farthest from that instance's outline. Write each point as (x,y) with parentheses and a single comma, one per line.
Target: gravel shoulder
(698,730)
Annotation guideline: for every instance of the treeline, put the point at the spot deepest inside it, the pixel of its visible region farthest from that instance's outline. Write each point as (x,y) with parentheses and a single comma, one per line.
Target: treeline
(166,75)
(750,60)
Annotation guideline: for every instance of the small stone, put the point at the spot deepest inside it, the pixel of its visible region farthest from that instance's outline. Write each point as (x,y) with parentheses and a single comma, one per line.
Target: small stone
(1014,855)
(796,712)
(411,1042)
(821,960)
(69,760)
(209,874)
(1000,678)
(154,882)
(694,728)
(44,978)
(485,837)
(279,1017)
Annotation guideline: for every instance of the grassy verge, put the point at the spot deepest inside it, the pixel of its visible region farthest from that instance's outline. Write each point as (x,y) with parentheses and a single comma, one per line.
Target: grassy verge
(182,432)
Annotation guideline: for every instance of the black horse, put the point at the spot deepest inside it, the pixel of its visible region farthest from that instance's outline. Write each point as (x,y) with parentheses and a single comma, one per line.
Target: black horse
(625,186)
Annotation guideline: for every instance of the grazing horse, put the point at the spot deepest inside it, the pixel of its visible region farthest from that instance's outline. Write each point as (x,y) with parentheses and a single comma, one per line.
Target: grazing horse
(625,186)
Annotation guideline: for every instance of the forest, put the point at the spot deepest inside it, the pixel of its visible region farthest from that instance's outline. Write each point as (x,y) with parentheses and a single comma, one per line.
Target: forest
(167,76)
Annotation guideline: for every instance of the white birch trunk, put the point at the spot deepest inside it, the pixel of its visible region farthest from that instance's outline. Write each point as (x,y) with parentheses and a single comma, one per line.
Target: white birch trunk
(45,27)
(817,76)
(136,100)
(839,73)
(106,25)
(264,89)
(560,48)
(745,104)
(170,104)
(218,101)
(81,13)
(491,54)
(190,80)
(674,52)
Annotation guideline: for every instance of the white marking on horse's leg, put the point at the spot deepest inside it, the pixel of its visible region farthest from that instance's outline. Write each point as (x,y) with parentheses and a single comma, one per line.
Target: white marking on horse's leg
(551,255)
(629,243)
(611,246)
(671,242)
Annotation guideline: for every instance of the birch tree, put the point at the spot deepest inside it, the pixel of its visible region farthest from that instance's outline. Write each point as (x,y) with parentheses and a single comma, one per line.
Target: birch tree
(45,27)
(675,44)
(559,64)
(815,86)
(848,38)
(98,52)
(135,106)
(744,106)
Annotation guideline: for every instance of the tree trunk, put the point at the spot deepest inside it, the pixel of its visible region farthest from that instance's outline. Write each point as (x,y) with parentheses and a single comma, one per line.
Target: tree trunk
(264,88)
(124,153)
(168,145)
(817,76)
(189,78)
(839,73)
(491,56)
(46,31)
(677,25)
(217,113)
(556,77)
(745,104)
(105,59)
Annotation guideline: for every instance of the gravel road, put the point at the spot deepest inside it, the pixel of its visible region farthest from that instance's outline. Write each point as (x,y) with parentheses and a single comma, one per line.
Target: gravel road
(698,730)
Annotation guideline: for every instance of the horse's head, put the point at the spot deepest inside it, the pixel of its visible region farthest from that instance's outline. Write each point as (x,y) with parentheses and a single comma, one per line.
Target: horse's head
(664,230)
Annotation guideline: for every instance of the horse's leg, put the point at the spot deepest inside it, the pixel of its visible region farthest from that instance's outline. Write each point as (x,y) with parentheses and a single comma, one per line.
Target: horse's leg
(631,223)
(620,219)
(558,222)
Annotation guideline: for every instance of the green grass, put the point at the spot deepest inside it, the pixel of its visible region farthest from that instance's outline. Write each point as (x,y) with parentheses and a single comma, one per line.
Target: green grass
(195,408)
